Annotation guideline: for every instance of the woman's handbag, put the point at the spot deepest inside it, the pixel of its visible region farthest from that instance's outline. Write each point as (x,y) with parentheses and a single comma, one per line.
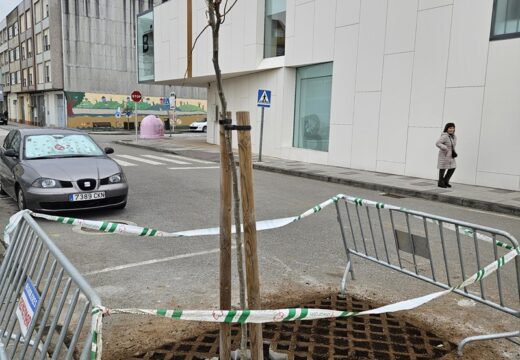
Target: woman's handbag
(453,152)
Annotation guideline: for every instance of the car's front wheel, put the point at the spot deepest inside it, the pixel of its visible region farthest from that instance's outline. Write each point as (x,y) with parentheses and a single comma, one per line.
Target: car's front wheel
(204,129)
(21,200)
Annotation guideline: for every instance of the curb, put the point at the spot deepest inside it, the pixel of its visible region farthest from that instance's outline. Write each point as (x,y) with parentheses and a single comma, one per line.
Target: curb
(453,200)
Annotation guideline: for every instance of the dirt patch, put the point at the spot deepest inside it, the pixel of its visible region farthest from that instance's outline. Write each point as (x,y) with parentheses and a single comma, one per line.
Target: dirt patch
(127,337)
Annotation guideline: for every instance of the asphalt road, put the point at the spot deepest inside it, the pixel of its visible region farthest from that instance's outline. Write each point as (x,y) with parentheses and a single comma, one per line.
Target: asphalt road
(157,272)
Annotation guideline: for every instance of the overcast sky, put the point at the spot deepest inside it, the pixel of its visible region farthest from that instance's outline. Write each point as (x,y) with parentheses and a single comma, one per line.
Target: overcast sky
(6,6)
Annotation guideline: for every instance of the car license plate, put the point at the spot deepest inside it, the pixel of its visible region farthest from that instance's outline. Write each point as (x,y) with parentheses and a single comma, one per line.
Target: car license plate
(87,196)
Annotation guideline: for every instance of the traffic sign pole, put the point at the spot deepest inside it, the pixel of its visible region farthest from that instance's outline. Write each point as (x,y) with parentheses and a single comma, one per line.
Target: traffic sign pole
(135,121)
(261,135)
(136,97)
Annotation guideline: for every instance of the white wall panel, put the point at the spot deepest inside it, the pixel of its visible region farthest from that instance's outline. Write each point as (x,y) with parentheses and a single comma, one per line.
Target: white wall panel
(323,44)
(303,35)
(469,43)
(499,145)
(464,108)
(395,105)
(344,75)
(429,74)
(421,152)
(390,167)
(371,45)
(290,14)
(400,26)
(365,130)
(347,12)
(340,145)
(498,180)
(429,4)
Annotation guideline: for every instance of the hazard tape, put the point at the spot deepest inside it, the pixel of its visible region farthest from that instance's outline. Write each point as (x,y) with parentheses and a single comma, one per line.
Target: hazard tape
(125,229)
(283,315)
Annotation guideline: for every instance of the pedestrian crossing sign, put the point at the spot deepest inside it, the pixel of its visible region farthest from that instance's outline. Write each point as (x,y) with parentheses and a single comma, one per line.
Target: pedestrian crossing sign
(264,98)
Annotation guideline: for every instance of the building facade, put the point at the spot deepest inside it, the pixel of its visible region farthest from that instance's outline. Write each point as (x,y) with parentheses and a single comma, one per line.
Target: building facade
(363,84)
(53,48)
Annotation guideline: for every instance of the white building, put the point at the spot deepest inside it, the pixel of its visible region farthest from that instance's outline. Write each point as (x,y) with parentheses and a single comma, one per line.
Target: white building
(363,84)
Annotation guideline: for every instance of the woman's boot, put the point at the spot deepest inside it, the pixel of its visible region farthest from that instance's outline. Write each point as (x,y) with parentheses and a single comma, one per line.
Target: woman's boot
(441,183)
(447,178)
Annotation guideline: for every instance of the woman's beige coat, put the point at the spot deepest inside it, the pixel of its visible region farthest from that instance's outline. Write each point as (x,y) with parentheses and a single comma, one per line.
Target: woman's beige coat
(446,146)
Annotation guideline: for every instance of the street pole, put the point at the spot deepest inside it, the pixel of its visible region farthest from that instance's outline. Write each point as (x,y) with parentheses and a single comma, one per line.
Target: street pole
(249,221)
(261,135)
(170,120)
(135,111)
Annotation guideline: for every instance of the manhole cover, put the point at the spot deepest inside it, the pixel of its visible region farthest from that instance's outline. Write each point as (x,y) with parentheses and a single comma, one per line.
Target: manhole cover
(377,337)
(85,230)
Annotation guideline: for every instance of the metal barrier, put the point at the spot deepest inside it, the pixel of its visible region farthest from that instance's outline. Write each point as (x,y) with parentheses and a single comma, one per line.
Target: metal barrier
(44,301)
(434,249)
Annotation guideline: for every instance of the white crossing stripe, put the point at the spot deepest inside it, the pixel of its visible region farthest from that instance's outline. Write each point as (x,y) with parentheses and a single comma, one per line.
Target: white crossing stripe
(165,159)
(135,158)
(190,159)
(194,168)
(123,163)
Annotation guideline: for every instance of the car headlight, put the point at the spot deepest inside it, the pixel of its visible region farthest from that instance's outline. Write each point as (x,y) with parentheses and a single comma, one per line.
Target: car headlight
(117,178)
(46,183)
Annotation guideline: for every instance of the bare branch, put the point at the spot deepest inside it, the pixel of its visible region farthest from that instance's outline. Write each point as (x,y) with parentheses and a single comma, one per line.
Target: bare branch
(227,11)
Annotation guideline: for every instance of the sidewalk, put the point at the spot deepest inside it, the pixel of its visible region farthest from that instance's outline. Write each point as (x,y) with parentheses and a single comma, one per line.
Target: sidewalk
(477,197)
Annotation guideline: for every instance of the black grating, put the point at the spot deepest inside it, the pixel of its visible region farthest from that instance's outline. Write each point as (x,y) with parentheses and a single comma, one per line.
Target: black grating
(375,337)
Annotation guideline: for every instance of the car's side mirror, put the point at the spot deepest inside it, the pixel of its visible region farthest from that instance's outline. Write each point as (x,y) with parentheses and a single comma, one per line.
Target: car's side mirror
(109,150)
(11,153)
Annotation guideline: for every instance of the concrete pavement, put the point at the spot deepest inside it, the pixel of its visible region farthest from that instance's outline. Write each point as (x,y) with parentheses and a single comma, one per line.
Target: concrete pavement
(477,197)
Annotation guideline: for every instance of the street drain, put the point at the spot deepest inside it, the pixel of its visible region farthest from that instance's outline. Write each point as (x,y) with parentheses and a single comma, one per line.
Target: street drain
(378,337)
(84,230)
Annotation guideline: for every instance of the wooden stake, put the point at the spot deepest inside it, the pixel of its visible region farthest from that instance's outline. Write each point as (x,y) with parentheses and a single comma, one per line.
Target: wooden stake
(249,221)
(225,244)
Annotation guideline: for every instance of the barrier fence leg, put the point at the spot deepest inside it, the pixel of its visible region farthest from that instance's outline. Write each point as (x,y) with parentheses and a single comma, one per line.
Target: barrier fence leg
(348,268)
(249,216)
(467,340)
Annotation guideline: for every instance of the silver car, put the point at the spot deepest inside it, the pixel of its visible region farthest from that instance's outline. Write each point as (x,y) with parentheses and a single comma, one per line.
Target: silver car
(54,170)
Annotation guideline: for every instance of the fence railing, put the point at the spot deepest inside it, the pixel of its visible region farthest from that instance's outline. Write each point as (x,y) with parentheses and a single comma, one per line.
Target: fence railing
(45,304)
(438,250)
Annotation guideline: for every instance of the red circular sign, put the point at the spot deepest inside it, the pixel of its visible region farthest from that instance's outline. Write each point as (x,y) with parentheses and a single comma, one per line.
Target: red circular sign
(136,96)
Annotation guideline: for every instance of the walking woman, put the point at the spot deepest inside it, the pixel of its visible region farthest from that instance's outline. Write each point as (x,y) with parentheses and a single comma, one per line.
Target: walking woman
(447,154)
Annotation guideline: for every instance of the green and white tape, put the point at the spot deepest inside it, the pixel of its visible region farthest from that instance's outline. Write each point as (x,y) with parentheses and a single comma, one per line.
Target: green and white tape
(283,315)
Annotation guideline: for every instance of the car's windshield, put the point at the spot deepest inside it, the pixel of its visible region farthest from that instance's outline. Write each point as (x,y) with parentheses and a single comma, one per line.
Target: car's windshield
(60,145)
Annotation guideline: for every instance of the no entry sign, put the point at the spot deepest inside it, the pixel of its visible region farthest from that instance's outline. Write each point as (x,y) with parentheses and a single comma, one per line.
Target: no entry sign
(136,96)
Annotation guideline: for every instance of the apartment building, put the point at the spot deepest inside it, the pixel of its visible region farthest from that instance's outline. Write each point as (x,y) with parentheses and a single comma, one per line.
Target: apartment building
(52,48)
(362,84)
(4,63)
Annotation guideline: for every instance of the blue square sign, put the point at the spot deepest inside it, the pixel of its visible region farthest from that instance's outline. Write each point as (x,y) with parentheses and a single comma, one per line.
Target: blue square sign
(264,98)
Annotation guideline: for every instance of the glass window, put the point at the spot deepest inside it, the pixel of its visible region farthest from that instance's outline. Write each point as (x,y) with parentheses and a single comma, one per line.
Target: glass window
(29,48)
(45,8)
(24,77)
(28,18)
(40,73)
(46,44)
(274,32)
(506,19)
(312,107)
(22,23)
(145,47)
(39,43)
(48,71)
(24,49)
(37,12)
(31,76)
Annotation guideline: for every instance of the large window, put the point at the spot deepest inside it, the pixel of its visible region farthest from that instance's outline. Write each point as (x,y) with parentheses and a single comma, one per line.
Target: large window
(506,19)
(274,32)
(312,107)
(145,49)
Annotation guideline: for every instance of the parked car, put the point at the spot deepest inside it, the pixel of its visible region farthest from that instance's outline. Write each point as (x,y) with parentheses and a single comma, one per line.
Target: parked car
(201,125)
(54,170)
(3,119)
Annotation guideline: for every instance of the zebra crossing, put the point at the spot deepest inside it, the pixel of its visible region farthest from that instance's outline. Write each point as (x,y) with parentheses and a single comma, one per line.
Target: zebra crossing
(186,163)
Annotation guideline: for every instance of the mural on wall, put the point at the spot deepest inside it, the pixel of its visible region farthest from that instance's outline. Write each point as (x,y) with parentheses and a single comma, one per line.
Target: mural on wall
(86,109)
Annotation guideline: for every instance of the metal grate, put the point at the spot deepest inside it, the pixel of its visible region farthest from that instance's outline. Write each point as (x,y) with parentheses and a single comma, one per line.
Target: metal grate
(369,337)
